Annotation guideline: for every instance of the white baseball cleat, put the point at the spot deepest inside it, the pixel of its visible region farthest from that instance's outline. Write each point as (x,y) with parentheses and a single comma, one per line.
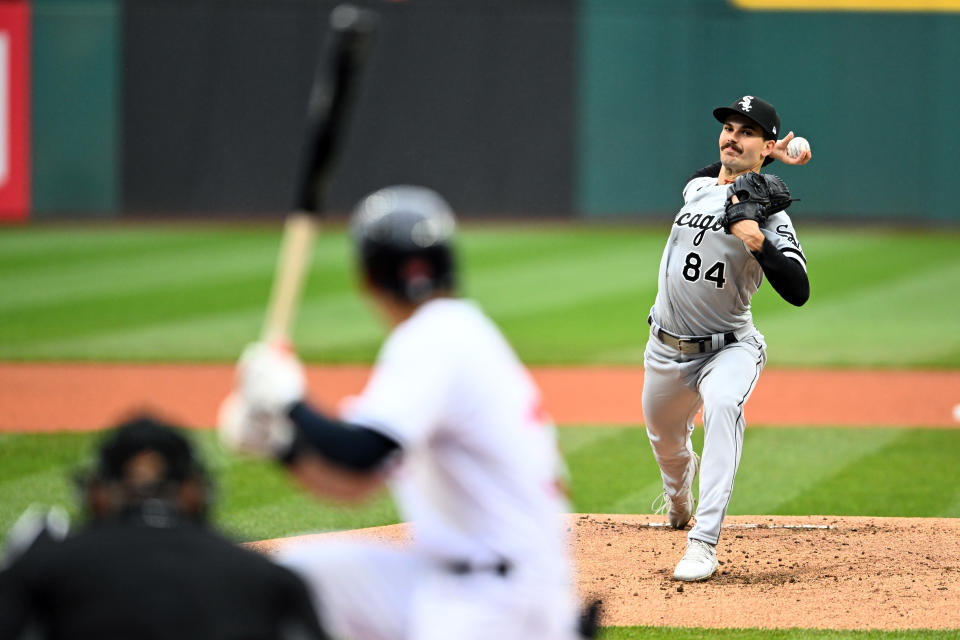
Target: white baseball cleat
(680,509)
(698,563)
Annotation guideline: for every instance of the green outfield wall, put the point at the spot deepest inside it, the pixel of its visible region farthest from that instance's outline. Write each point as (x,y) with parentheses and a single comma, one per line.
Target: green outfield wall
(876,93)
(588,108)
(76,116)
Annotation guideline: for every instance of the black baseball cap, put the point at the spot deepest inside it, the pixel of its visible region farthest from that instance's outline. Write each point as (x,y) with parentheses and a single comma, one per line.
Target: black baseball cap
(758,110)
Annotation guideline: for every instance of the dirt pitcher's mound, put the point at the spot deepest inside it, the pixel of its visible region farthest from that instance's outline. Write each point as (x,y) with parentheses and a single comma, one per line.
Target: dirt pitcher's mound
(814,572)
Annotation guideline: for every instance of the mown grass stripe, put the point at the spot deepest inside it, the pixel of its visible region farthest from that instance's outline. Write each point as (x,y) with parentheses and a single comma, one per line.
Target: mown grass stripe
(611,469)
(563,294)
(912,475)
(135,309)
(871,472)
(45,293)
(921,327)
(778,465)
(618,328)
(42,245)
(301,516)
(626,483)
(98,277)
(506,245)
(554,281)
(841,263)
(574,439)
(324,329)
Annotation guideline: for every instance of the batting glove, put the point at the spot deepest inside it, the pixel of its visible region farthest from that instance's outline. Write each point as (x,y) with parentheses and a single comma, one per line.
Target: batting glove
(243,429)
(270,378)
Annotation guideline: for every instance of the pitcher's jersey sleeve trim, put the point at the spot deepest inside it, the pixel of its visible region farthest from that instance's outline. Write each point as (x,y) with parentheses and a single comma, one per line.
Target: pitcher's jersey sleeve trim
(796,254)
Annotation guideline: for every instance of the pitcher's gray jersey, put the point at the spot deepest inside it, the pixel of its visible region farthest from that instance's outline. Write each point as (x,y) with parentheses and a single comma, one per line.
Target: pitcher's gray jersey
(707,276)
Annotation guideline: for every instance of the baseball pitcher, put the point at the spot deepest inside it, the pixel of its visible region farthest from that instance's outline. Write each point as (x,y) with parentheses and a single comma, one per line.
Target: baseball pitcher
(704,350)
(452,421)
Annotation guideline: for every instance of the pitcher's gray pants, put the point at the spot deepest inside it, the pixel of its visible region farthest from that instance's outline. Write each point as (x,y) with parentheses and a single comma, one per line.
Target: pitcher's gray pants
(675,387)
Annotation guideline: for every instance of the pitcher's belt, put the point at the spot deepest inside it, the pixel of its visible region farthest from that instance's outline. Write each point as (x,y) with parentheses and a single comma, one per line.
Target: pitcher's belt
(697,344)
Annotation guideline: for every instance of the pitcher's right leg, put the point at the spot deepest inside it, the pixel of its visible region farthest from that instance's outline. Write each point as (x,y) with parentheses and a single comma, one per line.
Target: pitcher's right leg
(669,406)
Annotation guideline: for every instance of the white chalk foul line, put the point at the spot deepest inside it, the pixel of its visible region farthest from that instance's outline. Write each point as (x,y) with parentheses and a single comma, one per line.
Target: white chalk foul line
(755,526)
(779,526)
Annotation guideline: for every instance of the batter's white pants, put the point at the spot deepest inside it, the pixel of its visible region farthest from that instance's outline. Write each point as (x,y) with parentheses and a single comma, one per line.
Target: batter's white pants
(366,591)
(675,387)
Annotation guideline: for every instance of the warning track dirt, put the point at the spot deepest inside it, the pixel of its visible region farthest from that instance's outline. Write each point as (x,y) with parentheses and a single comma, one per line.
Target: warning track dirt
(58,397)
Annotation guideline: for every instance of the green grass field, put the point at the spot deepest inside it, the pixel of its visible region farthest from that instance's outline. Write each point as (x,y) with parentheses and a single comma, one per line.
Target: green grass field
(562,294)
(824,471)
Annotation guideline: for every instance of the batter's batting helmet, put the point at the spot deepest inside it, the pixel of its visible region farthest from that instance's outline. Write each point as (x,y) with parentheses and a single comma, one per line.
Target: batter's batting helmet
(404,242)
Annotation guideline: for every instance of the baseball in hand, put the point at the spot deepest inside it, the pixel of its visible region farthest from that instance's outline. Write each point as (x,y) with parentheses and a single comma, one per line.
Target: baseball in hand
(797,146)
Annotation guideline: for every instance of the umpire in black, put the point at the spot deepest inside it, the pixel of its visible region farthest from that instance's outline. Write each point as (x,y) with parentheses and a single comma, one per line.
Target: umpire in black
(147,565)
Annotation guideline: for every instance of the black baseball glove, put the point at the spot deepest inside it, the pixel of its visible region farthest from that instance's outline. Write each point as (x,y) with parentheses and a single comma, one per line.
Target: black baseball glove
(760,196)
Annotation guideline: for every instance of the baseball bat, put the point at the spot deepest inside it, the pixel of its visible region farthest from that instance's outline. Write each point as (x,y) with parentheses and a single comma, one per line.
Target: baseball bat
(332,94)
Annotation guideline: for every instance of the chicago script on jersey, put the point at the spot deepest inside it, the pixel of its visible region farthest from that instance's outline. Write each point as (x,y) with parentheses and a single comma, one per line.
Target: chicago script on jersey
(699,221)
